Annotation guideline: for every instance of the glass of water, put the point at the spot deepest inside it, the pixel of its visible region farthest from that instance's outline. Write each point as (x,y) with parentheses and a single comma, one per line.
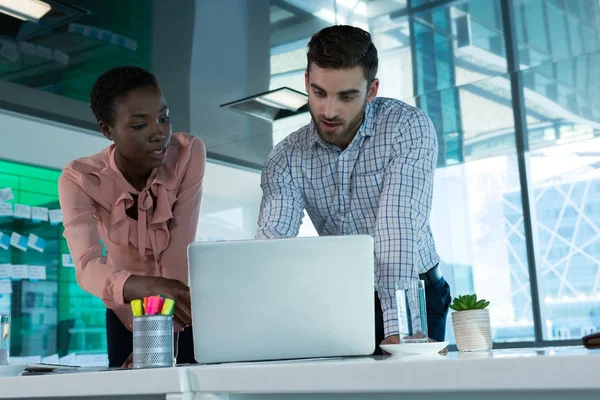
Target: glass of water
(412,311)
(4,339)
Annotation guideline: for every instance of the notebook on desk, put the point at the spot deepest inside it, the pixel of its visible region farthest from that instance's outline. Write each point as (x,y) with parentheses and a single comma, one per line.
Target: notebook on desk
(260,300)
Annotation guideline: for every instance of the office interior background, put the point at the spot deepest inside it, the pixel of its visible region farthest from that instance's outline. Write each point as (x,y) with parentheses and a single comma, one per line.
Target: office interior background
(512,87)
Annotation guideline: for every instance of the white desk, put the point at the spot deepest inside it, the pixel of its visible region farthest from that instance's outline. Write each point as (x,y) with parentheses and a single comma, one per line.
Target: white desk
(150,384)
(549,374)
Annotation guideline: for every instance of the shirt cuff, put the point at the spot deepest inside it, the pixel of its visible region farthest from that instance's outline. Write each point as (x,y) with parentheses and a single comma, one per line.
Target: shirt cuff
(118,283)
(390,317)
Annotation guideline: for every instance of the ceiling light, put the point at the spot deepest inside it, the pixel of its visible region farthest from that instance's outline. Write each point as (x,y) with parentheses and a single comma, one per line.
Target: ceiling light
(273,105)
(26,10)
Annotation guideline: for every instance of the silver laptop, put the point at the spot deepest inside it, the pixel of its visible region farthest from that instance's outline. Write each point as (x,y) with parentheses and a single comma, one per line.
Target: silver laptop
(256,300)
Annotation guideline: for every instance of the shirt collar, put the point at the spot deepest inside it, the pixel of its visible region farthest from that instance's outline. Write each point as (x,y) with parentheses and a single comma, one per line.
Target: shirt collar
(365,129)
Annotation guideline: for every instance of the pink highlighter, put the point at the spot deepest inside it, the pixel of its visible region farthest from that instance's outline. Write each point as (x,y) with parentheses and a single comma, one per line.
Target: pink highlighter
(153,305)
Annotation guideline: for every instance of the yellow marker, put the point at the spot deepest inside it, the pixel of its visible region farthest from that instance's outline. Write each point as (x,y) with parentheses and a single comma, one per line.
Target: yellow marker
(168,307)
(136,307)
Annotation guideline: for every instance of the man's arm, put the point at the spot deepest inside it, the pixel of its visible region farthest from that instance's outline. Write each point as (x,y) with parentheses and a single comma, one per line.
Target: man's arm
(404,209)
(282,205)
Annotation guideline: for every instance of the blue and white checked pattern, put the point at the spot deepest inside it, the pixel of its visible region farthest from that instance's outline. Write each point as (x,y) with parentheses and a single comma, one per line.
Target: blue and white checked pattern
(381,185)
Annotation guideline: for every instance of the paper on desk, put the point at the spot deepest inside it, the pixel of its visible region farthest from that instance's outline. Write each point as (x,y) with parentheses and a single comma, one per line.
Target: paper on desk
(18,241)
(22,211)
(69,359)
(51,359)
(6,209)
(26,360)
(39,214)
(6,194)
(92,360)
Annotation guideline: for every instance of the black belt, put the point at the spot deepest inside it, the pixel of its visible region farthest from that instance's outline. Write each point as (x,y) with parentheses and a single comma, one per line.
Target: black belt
(432,276)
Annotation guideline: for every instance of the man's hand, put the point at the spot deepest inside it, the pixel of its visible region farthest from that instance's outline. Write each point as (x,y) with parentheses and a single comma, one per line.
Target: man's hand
(395,339)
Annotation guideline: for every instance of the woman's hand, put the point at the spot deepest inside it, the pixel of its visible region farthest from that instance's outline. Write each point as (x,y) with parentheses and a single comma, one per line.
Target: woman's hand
(129,362)
(138,287)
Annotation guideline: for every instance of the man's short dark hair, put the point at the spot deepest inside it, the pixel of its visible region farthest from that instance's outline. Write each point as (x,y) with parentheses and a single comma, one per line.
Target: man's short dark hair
(113,84)
(343,47)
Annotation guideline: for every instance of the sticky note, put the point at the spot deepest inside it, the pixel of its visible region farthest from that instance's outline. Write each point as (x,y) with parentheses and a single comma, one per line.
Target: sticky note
(22,211)
(4,241)
(35,242)
(67,260)
(36,272)
(39,214)
(20,271)
(5,271)
(18,241)
(6,210)
(6,194)
(5,286)
(56,216)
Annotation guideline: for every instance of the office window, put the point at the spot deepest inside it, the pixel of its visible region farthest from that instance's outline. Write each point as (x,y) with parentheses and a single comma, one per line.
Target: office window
(548,31)
(229,211)
(565,192)
(450,59)
(477,216)
(458,45)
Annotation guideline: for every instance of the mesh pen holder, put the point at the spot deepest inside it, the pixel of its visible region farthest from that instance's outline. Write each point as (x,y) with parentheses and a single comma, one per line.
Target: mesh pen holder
(153,341)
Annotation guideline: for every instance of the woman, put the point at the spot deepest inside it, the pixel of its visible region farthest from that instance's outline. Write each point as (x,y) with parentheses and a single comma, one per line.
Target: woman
(140,198)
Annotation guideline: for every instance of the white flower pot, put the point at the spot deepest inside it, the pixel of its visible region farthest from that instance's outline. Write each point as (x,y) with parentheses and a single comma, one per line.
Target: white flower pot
(472,330)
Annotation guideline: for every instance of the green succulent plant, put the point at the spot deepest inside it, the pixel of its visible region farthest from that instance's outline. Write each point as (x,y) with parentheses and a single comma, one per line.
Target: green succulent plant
(468,302)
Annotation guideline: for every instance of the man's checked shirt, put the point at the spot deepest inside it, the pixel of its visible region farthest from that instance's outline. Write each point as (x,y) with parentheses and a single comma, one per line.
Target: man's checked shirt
(380,185)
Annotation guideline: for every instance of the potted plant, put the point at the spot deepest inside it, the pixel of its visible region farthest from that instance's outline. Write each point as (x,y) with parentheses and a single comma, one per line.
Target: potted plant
(471,322)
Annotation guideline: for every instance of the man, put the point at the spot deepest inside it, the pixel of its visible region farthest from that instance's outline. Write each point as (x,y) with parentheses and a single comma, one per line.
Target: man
(364,165)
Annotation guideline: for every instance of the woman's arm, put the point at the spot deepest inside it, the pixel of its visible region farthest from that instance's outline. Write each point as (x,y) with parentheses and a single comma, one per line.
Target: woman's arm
(186,212)
(93,273)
